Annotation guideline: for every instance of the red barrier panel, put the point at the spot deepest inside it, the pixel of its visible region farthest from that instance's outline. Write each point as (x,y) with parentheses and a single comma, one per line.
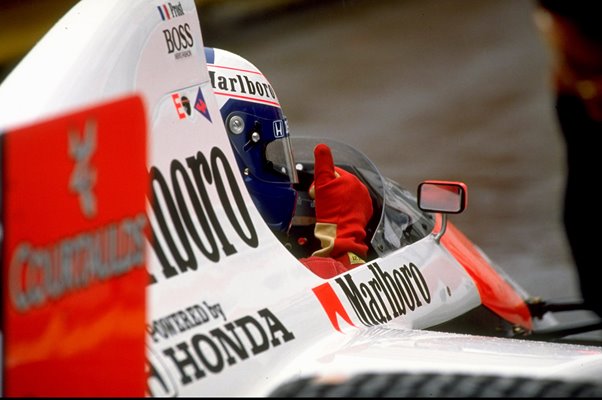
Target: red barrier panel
(73,257)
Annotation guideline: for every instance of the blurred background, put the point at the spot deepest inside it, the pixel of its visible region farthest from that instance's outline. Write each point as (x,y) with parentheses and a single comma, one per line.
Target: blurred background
(428,89)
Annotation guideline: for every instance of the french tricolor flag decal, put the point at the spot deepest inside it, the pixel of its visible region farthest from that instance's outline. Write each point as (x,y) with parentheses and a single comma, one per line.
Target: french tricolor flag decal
(164,12)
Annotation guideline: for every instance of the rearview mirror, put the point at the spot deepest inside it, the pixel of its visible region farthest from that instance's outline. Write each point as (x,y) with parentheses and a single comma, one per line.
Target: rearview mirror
(442,196)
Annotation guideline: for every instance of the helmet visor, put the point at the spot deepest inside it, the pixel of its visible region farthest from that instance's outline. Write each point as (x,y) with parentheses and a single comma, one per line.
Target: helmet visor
(280,153)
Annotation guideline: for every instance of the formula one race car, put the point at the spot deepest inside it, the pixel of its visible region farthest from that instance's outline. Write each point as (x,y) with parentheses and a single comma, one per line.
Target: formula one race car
(184,290)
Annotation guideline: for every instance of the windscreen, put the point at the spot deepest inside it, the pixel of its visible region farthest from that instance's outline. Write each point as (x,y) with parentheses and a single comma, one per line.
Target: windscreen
(397,221)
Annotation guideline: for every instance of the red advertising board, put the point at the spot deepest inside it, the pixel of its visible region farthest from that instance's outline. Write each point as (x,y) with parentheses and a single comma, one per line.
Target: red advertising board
(73,253)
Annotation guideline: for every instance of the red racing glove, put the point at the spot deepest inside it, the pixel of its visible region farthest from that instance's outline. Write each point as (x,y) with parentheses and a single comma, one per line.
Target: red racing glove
(343,209)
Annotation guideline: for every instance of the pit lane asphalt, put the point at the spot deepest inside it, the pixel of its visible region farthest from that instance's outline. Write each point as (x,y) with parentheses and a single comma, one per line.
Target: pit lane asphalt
(430,89)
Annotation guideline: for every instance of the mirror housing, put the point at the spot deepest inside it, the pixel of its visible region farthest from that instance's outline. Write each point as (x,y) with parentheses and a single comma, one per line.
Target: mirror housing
(446,197)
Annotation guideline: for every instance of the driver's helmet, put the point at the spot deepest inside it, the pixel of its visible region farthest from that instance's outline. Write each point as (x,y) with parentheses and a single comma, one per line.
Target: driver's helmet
(259,134)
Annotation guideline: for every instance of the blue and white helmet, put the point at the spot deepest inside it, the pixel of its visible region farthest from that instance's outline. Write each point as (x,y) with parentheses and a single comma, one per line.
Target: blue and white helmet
(259,134)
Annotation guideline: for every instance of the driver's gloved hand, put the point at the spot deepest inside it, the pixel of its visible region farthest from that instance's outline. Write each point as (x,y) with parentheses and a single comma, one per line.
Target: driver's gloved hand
(343,209)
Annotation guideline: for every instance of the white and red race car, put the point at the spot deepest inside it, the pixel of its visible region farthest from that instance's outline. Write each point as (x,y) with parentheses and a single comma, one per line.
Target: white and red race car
(135,263)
